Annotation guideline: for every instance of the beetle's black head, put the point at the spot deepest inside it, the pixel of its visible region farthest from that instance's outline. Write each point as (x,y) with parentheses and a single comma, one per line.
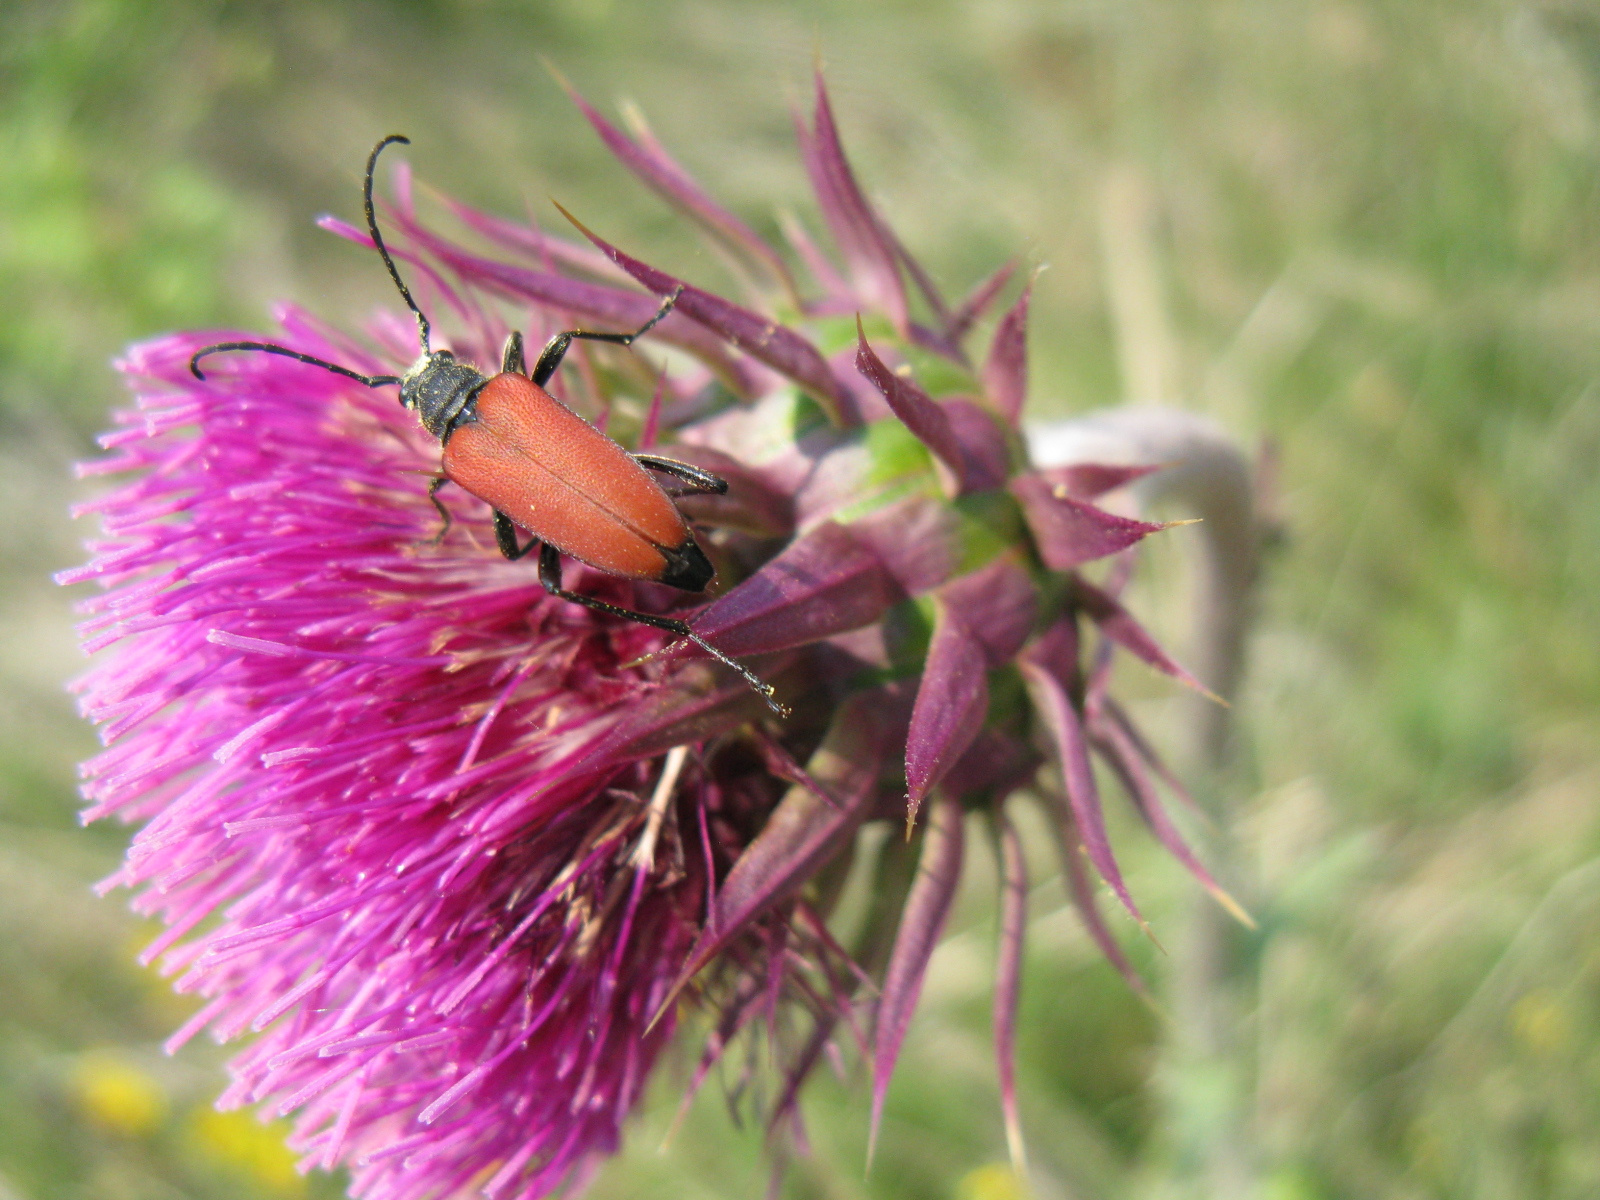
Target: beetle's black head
(440,391)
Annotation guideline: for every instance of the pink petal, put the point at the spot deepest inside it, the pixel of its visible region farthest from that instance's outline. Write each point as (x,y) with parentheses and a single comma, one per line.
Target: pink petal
(685,711)
(803,832)
(1151,758)
(982,619)
(917,539)
(1005,374)
(952,703)
(938,875)
(750,505)
(651,163)
(760,337)
(1060,718)
(1118,624)
(855,227)
(921,414)
(998,603)
(986,444)
(1086,481)
(826,582)
(1081,893)
(994,766)
(545,248)
(1056,650)
(1123,759)
(799,1070)
(818,263)
(925,285)
(891,883)
(608,306)
(1070,532)
(933,339)
(430,277)
(977,303)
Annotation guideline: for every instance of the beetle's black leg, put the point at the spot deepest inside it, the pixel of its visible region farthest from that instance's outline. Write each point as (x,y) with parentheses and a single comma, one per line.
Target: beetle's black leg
(505,536)
(433,497)
(550,576)
(698,480)
(556,348)
(511,360)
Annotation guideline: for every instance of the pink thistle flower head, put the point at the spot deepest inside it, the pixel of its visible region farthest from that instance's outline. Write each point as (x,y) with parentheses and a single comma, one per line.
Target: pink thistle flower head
(456,852)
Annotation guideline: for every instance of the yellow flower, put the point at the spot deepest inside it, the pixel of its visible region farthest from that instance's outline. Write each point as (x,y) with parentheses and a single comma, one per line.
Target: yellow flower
(248,1145)
(117,1093)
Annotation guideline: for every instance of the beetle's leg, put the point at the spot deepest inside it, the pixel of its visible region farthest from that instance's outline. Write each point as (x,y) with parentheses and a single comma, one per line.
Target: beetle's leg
(556,348)
(511,359)
(433,498)
(505,536)
(698,480)
(550,576)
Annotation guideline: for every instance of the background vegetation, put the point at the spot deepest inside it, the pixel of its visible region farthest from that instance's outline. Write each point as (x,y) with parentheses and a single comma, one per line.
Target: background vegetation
(1365,231)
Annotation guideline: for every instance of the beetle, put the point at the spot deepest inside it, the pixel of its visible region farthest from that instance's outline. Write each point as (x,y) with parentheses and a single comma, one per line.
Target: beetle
(539,465)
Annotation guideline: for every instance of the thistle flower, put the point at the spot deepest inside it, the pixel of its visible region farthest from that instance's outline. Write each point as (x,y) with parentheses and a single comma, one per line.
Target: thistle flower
(460,853)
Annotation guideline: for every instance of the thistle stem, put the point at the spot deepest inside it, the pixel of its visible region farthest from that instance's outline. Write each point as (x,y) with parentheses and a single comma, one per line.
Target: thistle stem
(1207,1079)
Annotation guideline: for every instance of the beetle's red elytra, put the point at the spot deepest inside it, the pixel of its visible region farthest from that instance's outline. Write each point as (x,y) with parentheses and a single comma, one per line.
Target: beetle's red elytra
(553,473)
(540,466)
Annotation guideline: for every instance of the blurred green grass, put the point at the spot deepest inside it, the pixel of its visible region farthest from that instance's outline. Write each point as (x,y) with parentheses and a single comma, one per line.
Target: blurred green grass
(1364,231)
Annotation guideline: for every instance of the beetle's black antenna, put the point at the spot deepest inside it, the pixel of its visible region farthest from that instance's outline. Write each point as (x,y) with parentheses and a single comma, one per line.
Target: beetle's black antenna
(269,348)
(423,328)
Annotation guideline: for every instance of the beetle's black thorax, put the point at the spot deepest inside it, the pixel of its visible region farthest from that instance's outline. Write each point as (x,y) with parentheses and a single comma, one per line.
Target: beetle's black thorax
(440,391)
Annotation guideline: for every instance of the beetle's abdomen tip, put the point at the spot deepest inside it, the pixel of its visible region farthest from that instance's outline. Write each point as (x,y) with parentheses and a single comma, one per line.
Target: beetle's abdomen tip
(687,567)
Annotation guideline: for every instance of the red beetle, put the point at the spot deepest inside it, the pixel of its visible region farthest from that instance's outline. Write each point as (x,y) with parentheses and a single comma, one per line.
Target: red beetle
(542,467)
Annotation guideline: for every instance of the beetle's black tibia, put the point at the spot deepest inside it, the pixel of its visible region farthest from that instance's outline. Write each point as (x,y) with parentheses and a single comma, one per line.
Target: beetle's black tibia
(511,362)
(556,348)
(505,537)
(550,577)
(700,482)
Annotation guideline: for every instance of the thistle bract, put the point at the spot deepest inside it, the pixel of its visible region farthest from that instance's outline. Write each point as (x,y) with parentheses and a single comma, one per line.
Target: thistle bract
(460,854)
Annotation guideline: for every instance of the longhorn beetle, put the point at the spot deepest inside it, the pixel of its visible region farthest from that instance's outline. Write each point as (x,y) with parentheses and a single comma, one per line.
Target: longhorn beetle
(542,467)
